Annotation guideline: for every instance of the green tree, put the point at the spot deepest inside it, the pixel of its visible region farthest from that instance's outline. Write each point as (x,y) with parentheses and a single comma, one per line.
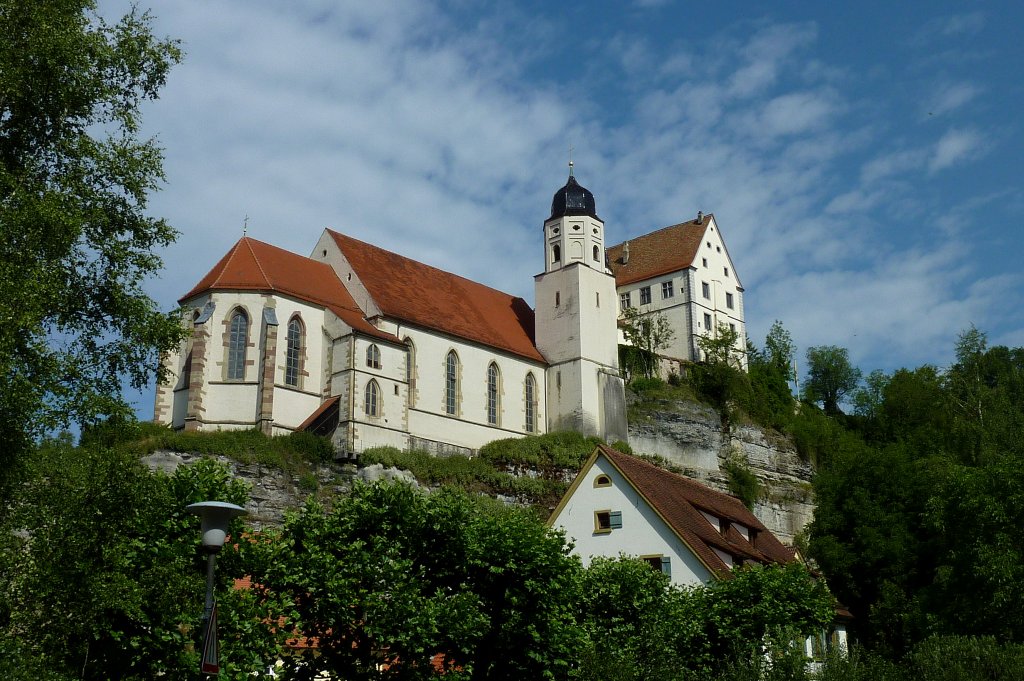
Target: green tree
(102,573)
(830,377)
(649,333)
(75,241)
(779,349)
(393,581)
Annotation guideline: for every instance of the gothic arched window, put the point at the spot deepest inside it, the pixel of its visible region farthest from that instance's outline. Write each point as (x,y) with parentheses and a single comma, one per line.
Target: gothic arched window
(293,352)
(493,401)
(410,371)
(373,357)
(597,252)
(371,403)
(556,253)
(531,404)
(238,338)
(451,383)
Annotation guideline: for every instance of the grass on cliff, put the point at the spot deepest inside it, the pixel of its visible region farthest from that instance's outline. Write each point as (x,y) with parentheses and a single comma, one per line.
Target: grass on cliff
(534,470)
(295,453)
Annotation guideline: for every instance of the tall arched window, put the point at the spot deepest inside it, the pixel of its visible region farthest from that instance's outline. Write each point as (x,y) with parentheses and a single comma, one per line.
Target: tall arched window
(597,254)
(556,253)
(493,401)
(410,370)
(531,404)
(451,383)
(371,403)
(373,357)
(293,352)
(238,338)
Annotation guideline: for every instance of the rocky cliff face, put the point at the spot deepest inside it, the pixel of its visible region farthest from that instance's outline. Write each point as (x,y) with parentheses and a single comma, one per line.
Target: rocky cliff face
(691,436)
(273,491)
(687,434)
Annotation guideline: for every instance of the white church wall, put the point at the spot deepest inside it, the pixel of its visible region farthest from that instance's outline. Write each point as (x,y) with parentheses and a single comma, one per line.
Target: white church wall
(469,426)
(643,532)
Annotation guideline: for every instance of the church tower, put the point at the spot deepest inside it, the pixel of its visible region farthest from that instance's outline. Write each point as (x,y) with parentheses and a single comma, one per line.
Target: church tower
(576,312)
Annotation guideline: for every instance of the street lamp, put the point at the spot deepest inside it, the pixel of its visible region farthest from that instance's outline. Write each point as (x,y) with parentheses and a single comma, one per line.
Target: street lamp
(215,516)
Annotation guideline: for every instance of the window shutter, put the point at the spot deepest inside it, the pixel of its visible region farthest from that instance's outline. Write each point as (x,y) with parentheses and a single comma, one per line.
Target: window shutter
(615,520)
(666,565)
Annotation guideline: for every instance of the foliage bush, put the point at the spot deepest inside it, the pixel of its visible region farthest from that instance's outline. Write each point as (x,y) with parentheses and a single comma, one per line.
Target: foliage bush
(742,481)
(622,446)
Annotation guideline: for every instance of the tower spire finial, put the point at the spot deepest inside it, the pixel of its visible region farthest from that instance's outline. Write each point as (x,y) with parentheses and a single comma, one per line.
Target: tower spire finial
(245,225)
(570,160)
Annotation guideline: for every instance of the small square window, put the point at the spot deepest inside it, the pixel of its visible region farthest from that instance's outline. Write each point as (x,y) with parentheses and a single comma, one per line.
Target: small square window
(704,262)
(718,248)
(624,301)
(725,271)
(709,244)
(705,289)
(606,521)
(707,322)
(729,301)
(666,289)
(661,564)
(645,295)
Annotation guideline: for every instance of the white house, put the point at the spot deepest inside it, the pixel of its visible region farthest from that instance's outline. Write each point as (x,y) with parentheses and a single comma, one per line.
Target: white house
(620,504)
(374,348)
(685,273)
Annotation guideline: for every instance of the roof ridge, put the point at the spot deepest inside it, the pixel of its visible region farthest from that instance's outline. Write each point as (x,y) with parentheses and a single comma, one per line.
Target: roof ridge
(263,272)
(694,484)
(665,228)
(430,267)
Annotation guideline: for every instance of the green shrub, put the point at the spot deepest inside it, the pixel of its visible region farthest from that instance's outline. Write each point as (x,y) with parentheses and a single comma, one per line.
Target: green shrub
(742,481)
(643,385)
(622,446)
(951,658)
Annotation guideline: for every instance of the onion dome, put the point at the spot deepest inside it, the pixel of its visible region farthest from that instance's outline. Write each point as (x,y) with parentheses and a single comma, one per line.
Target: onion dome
(573,199)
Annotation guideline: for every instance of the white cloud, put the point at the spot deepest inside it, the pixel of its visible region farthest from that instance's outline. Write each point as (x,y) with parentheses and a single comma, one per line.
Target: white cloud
(955,146)
(951,96)
(399,125)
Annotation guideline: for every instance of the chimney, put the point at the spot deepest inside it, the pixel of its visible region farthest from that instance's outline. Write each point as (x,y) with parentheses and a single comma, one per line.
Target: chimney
(625,253)
(700,217)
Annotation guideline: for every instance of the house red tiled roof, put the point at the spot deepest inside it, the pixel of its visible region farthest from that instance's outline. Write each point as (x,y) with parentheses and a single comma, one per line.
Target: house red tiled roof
(666,250)
(419,294)
(680,500)
(252,265)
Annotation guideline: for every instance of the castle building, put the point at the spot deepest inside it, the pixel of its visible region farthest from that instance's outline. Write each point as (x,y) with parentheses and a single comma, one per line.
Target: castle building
(375,349)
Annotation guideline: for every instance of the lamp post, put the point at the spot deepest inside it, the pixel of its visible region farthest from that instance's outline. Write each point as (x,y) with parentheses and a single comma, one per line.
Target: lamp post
(214,516)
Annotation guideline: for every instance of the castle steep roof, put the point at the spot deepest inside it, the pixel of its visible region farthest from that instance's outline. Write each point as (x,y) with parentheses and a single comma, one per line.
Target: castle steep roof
(680,502)
(253,265)
(666,250)
(410,291)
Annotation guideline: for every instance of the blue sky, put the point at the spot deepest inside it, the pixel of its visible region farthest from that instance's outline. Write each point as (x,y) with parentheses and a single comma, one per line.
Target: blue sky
(863,160)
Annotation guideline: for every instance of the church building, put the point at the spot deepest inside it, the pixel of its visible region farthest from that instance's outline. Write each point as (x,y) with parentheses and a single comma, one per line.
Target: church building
(373,348)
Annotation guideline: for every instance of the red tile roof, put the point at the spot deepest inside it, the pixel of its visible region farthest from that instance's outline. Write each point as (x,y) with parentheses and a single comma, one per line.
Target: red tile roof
(679,501)
(669,249)
(252,265)
(410,291)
